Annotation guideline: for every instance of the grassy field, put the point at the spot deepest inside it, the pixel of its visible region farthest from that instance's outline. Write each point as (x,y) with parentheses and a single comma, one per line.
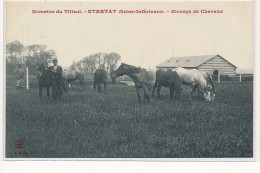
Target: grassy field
(85,124)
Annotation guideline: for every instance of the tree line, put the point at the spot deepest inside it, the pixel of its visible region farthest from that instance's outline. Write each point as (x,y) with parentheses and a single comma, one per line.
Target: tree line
(29,56)
(89,64)
(35,54)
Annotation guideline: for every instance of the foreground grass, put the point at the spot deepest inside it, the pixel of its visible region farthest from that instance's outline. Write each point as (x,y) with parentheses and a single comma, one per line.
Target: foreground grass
(85,124)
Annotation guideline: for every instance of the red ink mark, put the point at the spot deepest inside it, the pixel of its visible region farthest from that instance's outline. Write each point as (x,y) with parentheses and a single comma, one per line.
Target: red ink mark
(18,144)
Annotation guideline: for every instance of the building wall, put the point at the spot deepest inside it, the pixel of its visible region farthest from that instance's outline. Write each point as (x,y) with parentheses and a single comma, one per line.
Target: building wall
(217,63)
(171,68)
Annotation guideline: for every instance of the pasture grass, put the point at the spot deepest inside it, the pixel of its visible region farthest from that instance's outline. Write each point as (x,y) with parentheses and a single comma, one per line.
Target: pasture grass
(86,124)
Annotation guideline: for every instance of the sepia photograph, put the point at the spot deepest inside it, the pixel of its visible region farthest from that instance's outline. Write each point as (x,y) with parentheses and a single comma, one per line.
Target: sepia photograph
(129,80)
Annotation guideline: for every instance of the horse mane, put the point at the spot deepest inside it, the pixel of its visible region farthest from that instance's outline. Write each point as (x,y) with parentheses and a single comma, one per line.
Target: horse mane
(136,69)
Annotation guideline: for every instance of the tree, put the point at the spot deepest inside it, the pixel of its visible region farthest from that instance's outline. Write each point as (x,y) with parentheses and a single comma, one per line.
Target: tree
(16,50)
(89,64)
(111,61)
(37,54)
(92,62)
(31,55)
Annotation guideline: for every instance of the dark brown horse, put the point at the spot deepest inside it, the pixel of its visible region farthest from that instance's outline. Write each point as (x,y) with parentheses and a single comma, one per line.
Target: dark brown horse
(44,77)
(139,75)
(100,76)
(169,79)
(47,79)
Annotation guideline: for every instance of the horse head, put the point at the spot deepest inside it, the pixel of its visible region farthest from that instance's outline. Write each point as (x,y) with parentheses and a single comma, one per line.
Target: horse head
(40,67)
(120,71)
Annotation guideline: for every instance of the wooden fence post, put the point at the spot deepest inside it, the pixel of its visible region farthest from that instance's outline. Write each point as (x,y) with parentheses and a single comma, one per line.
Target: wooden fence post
(218,76)
(27,78)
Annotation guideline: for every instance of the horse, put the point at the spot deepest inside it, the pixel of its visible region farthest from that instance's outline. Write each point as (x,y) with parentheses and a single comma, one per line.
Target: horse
(140,76)
(210,84)
(47,79)
(71,76)
(168,79)
(44,77)
(100,76)
(196,80)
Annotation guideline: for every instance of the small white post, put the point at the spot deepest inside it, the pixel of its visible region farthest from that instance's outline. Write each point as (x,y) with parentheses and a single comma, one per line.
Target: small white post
(27,78)
(218,76)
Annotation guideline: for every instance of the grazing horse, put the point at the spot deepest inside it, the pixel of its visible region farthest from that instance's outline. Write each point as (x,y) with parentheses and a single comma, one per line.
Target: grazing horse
(140,77)
(100,76)
(70,76)
(210,84)
(168,79)
(196,80)
(44,79)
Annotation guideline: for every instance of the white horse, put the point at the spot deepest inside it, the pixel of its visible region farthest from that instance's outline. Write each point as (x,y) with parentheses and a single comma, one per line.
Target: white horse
(70,76)
(210,84)
(196,80)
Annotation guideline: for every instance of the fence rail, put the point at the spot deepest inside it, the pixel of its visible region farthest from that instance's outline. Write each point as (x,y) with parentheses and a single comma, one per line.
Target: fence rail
(236,78)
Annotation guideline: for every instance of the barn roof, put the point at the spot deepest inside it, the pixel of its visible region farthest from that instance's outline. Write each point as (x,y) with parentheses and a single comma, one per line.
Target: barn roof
(188,61)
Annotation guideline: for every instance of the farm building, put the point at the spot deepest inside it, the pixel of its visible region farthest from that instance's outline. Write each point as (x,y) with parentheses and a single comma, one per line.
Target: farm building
(214,64)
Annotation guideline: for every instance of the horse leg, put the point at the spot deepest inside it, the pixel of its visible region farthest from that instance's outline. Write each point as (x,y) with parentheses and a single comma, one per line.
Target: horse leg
(154,86)
(54,92)
(158,90)
(138,94)
(48,92)
(59,89)
(105,87)
(200,94)
(192,93)
(94,86)
(196,87)
(40,92)
(178,89)
(81,83)
(193,90)
(99,88)
(198,91)
(145,94)
(171,88)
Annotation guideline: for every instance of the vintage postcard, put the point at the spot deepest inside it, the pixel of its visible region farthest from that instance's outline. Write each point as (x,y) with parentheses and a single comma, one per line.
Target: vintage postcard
(129,80)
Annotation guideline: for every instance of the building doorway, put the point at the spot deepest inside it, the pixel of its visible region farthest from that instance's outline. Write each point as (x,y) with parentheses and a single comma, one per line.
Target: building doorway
(215,75)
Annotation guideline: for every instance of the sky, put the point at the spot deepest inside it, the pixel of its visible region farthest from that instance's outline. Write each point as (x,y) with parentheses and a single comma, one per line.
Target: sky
(143,40)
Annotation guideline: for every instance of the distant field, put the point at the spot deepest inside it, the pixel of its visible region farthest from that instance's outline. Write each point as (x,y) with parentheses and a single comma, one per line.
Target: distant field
(85,124)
